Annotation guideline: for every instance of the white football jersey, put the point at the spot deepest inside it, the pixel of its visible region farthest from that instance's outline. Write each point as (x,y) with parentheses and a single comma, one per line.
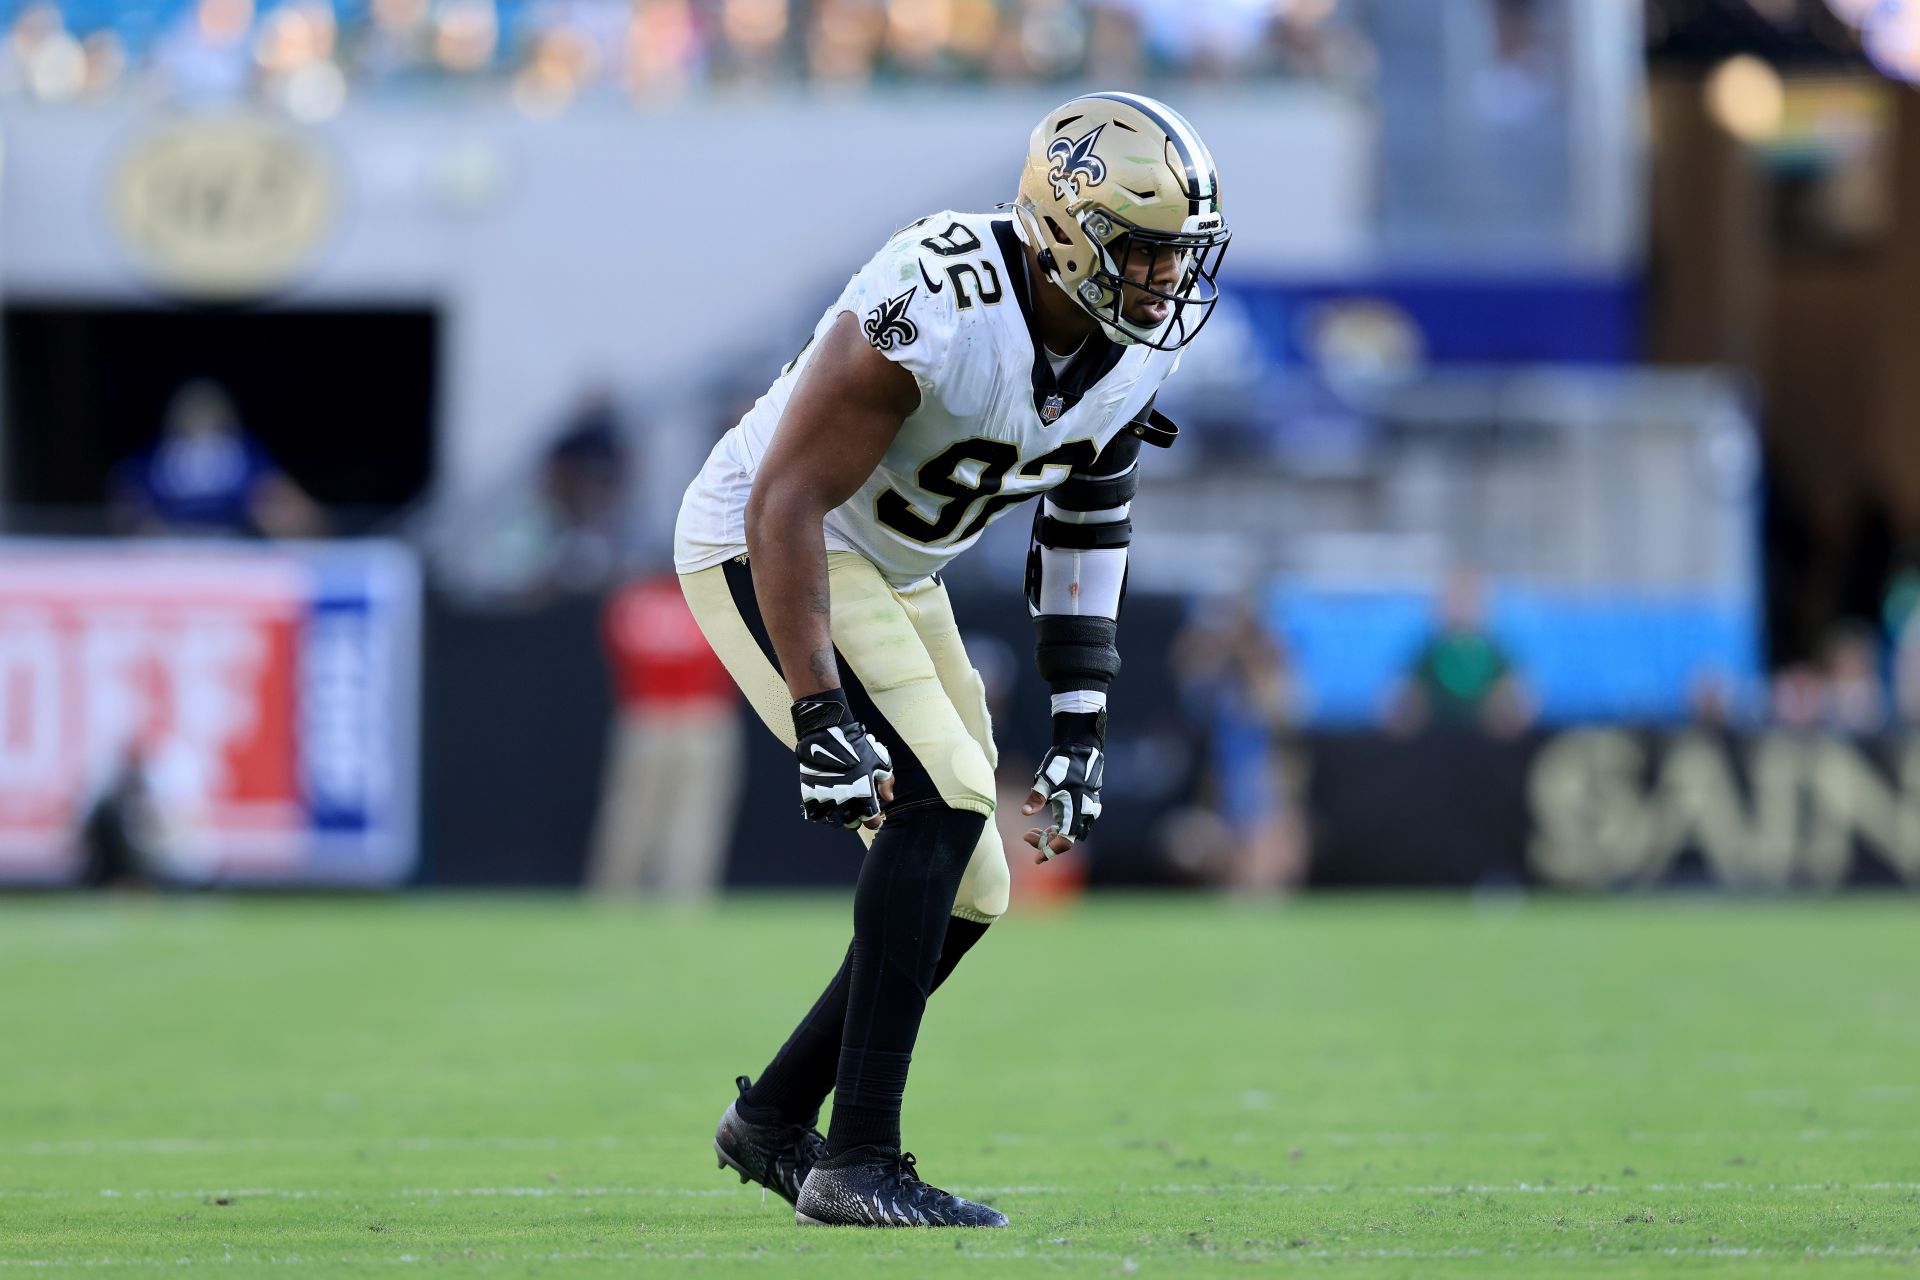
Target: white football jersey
(947,298)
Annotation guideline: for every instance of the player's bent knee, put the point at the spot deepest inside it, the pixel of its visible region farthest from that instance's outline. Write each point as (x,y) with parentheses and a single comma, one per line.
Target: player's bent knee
(955,766)
(987,885)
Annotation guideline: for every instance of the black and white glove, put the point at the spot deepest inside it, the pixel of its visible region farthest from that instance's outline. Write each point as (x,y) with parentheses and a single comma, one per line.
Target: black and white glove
(1067,785)
(841,768)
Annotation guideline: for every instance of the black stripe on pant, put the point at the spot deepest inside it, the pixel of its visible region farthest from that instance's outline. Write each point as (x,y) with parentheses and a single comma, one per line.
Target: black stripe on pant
(912,785)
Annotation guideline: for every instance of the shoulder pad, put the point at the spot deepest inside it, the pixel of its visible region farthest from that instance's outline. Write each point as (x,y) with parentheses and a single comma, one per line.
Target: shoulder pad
(901,314)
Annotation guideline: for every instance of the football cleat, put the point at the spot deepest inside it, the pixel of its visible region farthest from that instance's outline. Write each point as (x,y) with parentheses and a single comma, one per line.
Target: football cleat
(776,1154)
(872,1187)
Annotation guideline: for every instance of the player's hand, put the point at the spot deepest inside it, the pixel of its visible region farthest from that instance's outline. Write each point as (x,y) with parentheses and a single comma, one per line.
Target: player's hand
(845,775)
(1067,786)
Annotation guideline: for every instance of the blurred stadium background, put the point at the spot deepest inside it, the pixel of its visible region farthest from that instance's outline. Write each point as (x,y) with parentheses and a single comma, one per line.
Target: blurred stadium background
(1545,522)
(1548,513)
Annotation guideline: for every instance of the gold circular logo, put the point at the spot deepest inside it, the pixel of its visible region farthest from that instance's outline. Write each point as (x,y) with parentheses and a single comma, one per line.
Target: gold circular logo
(224,207)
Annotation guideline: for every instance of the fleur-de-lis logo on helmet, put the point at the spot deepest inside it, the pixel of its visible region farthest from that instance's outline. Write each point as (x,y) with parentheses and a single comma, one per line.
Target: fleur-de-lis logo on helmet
(1075,167)
(887,325)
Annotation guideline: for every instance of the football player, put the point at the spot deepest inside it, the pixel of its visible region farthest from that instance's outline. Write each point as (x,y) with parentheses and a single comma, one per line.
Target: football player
(978,360)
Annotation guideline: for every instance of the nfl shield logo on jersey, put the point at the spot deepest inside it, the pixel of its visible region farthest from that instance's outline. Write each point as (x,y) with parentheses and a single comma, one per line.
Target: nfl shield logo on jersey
(1052,407)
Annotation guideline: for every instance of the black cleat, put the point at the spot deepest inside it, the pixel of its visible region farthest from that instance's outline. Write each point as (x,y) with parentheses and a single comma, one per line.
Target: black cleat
(776,1154)
(872,1187)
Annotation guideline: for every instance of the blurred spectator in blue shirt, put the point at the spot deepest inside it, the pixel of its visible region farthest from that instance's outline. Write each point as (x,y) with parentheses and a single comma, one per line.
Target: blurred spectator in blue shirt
(206,476)
(1237,685)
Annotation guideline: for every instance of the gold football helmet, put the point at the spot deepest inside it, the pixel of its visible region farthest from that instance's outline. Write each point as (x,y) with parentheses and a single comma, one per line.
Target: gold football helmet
(1117,179)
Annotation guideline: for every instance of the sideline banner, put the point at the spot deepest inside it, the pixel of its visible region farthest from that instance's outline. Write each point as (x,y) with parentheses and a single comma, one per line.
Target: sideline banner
(248,711)
(1615,807)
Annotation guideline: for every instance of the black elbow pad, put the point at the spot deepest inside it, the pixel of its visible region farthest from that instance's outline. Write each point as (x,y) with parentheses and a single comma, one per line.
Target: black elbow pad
(1095,493)
(1108,481)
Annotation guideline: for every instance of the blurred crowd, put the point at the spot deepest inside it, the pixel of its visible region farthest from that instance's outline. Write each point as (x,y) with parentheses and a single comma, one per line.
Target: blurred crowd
(309,55)
(1862,682)
(574,528)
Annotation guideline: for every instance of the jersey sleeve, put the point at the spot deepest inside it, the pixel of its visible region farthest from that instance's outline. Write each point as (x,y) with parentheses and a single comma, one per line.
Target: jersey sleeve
(906,310)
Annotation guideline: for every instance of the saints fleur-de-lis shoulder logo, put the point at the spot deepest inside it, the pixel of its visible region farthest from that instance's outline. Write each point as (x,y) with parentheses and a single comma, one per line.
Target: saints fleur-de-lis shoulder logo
(887,324)
(1075,167)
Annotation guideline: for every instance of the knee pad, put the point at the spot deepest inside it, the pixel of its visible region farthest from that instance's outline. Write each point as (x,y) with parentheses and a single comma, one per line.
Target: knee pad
(987,885)
(973,775)
(955,765)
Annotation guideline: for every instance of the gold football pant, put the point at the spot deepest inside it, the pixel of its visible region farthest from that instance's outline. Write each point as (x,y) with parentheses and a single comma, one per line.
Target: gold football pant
(906,673)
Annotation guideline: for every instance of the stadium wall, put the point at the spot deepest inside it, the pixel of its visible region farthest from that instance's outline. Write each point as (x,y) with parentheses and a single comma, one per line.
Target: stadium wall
(609,246)
(1616,807)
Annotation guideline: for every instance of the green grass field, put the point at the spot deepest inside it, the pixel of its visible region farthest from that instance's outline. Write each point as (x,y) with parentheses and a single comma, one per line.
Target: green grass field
(1147,1086)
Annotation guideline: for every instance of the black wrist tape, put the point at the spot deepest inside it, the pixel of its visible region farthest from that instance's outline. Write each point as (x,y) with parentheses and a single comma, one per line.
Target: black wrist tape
(1085,728)
(819,711)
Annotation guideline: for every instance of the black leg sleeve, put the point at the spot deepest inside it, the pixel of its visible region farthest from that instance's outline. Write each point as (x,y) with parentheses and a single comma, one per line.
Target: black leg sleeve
(901,907)
(801,1075)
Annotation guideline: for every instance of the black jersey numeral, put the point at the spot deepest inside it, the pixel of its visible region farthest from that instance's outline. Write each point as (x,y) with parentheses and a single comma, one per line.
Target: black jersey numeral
(1072,455)
(989,293)
(940,476)
(954,241)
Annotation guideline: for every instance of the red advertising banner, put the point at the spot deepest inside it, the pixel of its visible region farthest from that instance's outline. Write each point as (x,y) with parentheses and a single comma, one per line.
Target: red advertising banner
(243,697)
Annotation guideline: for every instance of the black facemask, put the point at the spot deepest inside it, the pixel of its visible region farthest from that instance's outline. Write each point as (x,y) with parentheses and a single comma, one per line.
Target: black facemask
(1190,301)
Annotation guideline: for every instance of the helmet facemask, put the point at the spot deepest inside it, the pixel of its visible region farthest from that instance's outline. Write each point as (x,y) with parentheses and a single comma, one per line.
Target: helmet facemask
(1130,259)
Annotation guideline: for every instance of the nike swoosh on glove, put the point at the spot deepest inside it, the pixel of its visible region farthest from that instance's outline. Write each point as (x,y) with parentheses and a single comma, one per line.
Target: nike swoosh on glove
(1069,777)
(841,769)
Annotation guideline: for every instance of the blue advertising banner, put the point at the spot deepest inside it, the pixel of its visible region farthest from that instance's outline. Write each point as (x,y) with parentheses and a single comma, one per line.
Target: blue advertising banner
(1464,320)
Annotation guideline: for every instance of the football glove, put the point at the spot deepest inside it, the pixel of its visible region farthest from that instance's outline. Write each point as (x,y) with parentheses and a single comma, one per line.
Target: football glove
(1069,778)
(841,768)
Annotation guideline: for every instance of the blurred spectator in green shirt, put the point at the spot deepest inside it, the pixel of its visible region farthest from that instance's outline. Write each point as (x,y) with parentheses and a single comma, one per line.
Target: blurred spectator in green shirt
(1462,675)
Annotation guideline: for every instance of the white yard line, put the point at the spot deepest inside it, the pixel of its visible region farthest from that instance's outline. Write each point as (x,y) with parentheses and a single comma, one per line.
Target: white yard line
(1432,1138)
(223,1146)
(1164,1189)
(227,1146)
(991,1256)
(361,1193)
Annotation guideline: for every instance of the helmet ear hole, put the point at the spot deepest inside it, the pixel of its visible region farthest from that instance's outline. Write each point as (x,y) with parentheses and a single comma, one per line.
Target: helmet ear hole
(1072,265)
(1058,234)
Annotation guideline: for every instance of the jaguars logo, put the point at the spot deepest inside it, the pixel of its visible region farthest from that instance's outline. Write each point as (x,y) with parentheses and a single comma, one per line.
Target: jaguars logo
(1075,167)
(887,325)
